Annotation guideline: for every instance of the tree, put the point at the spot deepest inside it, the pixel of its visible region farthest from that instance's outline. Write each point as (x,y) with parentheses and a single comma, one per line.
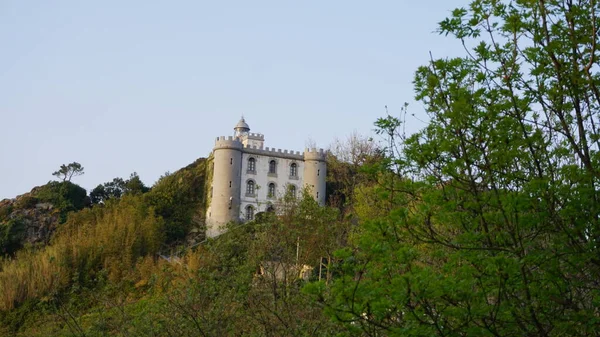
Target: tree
(496,232)
(66,172)
(135,185)
(347,168)
(118,187)
(110,190)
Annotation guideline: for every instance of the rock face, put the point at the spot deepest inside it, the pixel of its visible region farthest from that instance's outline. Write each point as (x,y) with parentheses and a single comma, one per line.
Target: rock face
(30,218)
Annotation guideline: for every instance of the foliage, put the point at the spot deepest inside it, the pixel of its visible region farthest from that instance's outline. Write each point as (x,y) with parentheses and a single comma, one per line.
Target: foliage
(348,164)
(66,172)
(64,196)
(179,198)
(26,201)
(12,233)
(117,188)
(496,231)
(93,242)
(212,290)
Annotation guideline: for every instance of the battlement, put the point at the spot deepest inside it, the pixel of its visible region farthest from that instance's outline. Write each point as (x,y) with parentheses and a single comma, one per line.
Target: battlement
(256,136)
(272,152)
(315,154)
(282,152)
(228,142)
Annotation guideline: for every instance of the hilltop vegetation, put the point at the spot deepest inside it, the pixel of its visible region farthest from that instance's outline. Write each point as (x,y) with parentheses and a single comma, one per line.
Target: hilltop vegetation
(483,223)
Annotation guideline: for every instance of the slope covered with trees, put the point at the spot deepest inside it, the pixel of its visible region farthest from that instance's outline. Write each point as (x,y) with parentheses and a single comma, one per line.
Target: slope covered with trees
(483,223)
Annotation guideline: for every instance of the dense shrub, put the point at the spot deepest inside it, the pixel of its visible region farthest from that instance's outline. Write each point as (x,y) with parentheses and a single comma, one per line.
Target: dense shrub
(12,232)
(26,201)
(110,239)
(65,196)
(178,197)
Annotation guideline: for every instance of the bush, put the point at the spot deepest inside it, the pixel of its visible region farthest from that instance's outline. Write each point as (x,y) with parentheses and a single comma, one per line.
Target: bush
(26,201)
(5,211)
(12,233)
(178,197)
(65,196)
(96,241)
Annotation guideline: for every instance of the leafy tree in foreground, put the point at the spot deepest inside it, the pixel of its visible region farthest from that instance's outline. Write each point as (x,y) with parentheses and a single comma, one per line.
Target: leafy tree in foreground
(496,233)
(66,172)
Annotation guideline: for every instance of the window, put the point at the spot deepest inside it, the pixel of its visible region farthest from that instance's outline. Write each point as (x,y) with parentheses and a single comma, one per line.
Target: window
(252,165)
(270,208)
(272,167)
(250,188)
(271,193)
(294,170)
(249,212)
(292,191)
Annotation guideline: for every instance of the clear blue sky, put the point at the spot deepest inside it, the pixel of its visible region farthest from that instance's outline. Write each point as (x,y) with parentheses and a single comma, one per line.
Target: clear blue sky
(146,86)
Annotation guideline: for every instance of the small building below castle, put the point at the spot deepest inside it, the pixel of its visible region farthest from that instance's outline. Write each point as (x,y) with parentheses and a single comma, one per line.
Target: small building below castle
(249,178)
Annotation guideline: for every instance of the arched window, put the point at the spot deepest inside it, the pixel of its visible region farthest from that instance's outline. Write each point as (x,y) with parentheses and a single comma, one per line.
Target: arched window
(294,170)
(252,165)
(292,190)
(249,212)
(271,193)
(272,167)
(250,186)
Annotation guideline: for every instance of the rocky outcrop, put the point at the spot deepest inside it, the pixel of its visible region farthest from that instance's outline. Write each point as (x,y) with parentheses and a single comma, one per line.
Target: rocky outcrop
(26,220)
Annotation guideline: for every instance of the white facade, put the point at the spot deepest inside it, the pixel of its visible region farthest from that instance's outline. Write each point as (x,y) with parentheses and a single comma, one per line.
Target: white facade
(282,179)
(249,178)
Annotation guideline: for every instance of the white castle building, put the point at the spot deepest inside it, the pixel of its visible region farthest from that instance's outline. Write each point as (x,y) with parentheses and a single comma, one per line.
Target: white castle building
(249,178)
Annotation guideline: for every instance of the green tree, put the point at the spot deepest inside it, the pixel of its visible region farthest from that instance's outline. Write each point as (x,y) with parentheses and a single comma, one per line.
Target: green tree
(135,185)
(118,187)
(109,190)
(496,231)
(66,172)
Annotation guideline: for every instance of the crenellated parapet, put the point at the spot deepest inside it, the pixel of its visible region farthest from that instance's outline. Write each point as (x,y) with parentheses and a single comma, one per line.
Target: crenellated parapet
(315,154)
(273,152)
(228,142)
(256,136)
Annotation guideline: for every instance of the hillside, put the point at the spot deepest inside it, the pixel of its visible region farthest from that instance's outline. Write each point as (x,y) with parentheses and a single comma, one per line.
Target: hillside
(485,222)
(31,219)
(99,270)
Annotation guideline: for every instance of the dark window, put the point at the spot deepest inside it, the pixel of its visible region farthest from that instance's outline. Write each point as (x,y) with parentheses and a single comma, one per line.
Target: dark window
(249,212)
(250,187)
(252,164)
(292,190)
(230,161)
(272,166)
(271,190)
(294,170)
(318,172)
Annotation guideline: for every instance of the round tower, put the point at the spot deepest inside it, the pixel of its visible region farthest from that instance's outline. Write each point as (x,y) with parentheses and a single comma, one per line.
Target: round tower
(315,172)
(226,184)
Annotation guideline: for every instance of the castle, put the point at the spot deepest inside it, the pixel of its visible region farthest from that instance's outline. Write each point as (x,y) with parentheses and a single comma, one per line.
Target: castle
(249,178)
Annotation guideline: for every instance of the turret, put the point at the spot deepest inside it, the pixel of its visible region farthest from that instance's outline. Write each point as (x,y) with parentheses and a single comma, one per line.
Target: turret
(241,129)
(315,172)
(225,204)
